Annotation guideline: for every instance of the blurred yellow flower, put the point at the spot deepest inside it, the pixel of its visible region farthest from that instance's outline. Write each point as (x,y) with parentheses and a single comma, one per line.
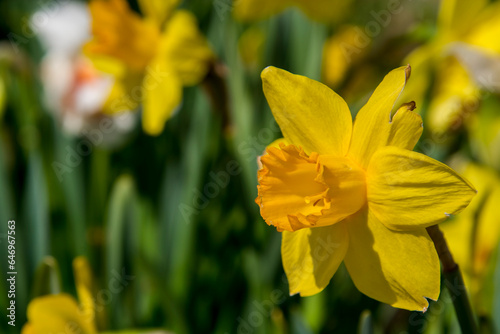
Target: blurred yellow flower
(355,192)
(342,51)
(474,234)
(462,26)
(61,313)
(155,57)
(327,11)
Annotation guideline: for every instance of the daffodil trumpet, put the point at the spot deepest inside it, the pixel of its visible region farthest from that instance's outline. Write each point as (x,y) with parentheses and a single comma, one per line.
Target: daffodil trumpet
(355,192)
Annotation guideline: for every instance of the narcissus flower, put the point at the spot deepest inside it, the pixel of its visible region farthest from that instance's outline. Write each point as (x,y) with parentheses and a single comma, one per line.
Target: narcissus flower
(473,235)
(74,90)
(456,60)
(322,10)
(355,192)
(155,57)
(61,313)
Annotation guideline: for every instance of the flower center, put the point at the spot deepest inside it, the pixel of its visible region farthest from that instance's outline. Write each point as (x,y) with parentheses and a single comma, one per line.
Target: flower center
(297,190)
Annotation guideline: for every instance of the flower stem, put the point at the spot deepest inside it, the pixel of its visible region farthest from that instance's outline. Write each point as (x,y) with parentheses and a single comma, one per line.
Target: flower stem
(454,282)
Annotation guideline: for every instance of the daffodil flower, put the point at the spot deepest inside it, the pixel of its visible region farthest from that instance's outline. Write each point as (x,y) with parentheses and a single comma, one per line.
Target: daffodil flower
(74,89)
(155,56)
(61,313)
(473,235)
(321,10)
(355,192)
(462,26)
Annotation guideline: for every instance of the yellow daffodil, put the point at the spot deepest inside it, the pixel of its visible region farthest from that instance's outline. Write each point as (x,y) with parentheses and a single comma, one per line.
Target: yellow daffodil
(155,56)
(474,234)
(462,26)
(355,192)
(322,10)
(61,313)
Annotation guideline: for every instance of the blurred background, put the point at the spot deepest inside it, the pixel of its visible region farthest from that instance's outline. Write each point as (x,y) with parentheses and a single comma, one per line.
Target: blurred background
(171,214)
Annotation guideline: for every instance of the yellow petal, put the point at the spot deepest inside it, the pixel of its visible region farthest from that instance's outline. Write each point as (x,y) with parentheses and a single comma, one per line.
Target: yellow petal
(121,33)
(185,49)
(311,256)
(120,98)
(162,94)
(406,127)
(298,191)
(371,127)
(309,114)
(407,190)
(58,314)
(251,10)
(83,281)
(125,92)
(157,10)
(396,268)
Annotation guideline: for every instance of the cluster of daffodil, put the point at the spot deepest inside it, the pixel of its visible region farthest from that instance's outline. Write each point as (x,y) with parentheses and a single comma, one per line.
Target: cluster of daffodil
(152,57)
(340,191)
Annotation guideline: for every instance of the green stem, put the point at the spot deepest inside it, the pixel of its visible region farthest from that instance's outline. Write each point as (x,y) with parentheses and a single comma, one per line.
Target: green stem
(454,282)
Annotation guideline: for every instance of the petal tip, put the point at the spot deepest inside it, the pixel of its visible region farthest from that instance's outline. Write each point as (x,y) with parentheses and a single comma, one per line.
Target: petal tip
(267,71)
(412,105)
(407,71)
